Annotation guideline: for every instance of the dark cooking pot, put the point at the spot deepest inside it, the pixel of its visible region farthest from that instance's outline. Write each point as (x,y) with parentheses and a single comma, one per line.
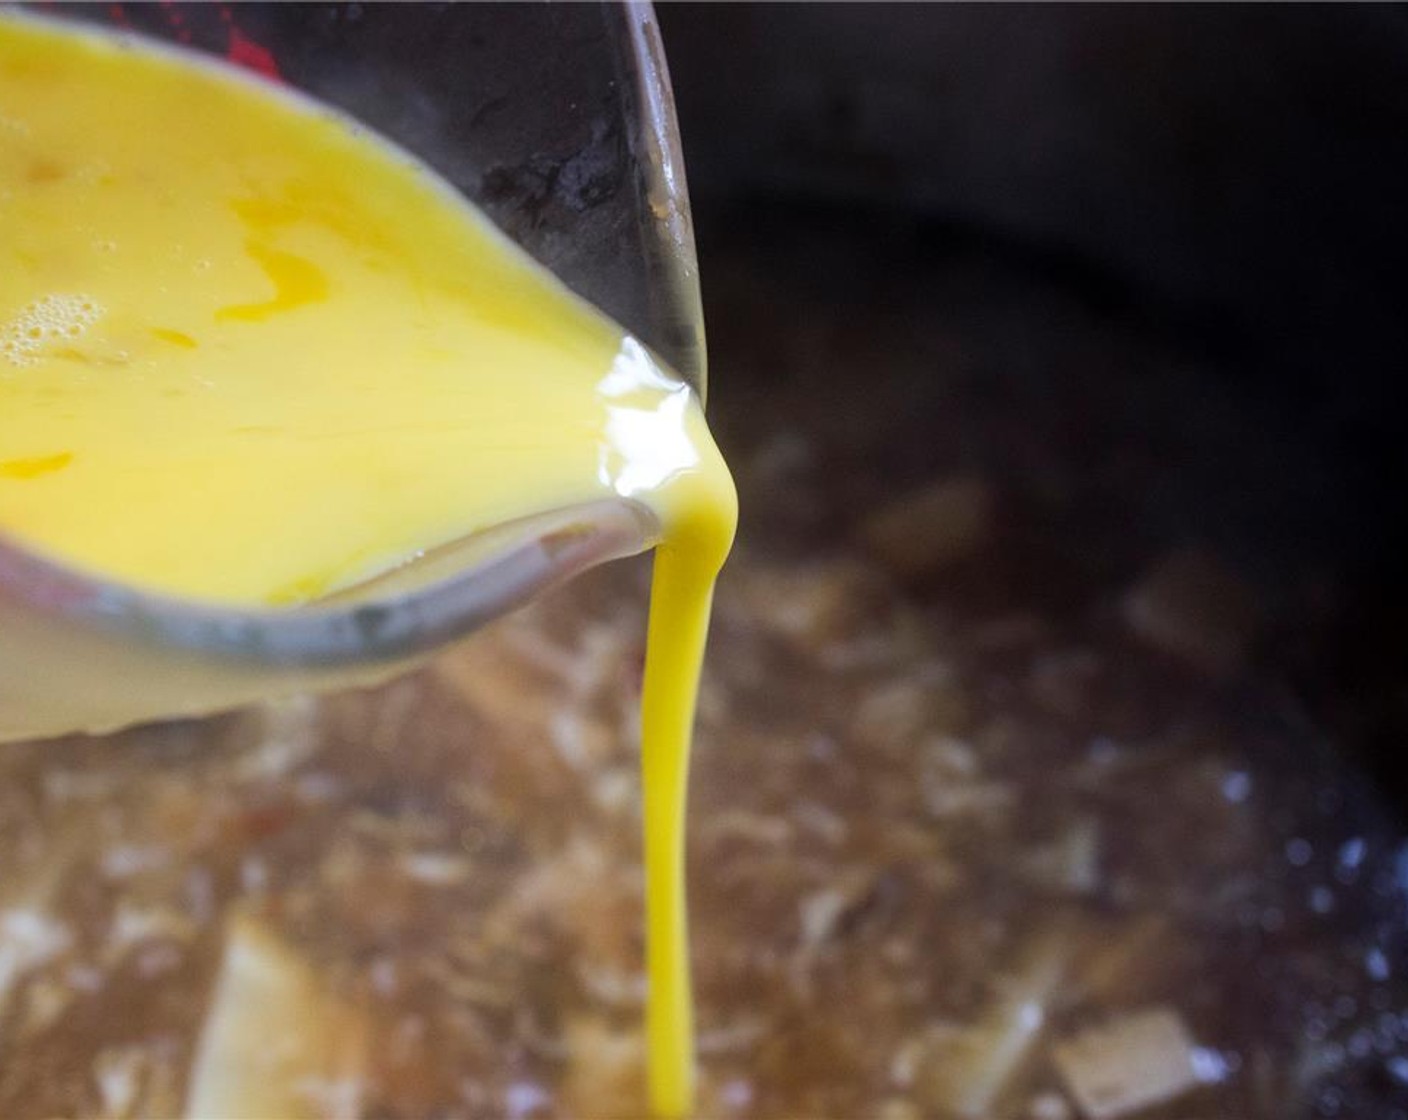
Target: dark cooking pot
(1049,349)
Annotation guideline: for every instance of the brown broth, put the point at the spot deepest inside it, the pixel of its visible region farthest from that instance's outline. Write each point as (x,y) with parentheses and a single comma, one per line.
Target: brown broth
(921,798)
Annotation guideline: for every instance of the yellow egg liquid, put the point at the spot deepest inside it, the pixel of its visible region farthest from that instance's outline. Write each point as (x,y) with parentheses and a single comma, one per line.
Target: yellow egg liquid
(250,354)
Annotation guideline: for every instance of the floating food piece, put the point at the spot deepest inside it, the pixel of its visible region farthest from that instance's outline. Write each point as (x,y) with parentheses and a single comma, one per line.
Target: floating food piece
(1192,607)
(603,1076)
(274,1042)
(927,700)
(923,532)
(1127,1065)
(31,934)
(816,602)
(29,938)
(974,1069)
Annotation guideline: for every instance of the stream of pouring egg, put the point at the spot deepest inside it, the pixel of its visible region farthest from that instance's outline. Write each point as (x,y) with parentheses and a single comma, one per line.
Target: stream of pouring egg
(251,354)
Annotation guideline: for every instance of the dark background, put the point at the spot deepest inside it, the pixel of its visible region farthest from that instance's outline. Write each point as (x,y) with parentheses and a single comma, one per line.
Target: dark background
(1228,183)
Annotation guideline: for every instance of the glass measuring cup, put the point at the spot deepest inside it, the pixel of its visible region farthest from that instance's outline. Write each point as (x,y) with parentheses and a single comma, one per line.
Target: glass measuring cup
(558,121)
